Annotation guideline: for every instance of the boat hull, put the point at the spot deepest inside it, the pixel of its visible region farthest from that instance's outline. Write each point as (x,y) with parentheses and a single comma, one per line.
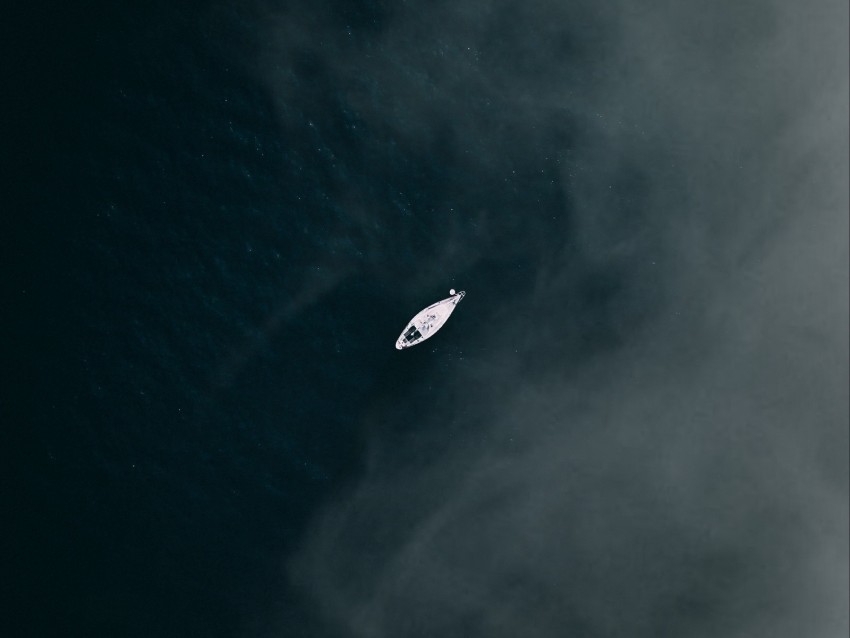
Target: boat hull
(428,321)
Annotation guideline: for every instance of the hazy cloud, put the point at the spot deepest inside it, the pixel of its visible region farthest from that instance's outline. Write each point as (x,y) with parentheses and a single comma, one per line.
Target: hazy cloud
(692,480)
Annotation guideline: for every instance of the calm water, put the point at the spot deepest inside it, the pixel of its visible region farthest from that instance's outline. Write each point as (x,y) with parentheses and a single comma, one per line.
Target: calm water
(216,282)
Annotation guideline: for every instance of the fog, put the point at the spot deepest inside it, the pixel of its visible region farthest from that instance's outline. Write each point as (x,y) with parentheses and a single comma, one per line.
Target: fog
(690,476)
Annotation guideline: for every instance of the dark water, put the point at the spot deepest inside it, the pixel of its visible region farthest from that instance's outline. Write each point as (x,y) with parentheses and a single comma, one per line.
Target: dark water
(207,283)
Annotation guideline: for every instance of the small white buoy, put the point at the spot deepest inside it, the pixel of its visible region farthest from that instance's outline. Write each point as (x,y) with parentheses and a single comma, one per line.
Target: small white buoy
(452,291)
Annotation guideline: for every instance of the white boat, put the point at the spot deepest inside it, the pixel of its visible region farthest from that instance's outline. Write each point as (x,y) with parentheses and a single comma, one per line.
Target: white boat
(428,321)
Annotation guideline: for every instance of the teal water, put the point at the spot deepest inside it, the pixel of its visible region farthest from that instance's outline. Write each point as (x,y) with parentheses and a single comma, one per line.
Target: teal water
(214,281)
